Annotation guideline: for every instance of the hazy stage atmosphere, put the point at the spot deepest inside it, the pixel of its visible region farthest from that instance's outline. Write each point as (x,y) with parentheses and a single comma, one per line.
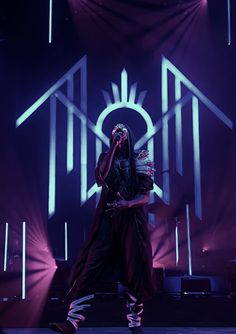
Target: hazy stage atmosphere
(72,69)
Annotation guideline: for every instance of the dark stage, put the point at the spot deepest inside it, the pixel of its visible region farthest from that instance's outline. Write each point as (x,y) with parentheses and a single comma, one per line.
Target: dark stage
(121,330)
(69,71)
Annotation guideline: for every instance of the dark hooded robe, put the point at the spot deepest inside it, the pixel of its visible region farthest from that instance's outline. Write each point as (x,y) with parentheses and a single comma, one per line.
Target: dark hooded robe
(119,238)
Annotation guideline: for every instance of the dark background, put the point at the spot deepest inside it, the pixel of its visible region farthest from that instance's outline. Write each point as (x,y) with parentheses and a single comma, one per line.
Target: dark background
(116,35)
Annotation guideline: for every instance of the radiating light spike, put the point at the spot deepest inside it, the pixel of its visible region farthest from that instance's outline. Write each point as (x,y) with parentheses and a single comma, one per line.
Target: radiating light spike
(141,97)
(132,93)
(116,93)
(124,86)
(107,97)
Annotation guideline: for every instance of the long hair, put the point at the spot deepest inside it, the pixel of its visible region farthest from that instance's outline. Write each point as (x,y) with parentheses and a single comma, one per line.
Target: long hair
(128,151)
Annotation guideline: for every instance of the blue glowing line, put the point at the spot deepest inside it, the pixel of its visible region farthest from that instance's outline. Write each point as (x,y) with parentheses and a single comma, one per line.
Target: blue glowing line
(70,142)
(98,148)
(62,98)
(23,259)
(5,247)
(107,97)
(229,21)
(83,138)
(176,245)
(133,106)
(83,157)
(189,241)
(141,97)
(50,23)
(167,116)
(124,86)
(165,135)
(116,93)
(79,65)
(95,188)
(158,190)
(150,147)
(70,127)
(92,191)
(52,158)
(196,156)
(120,105)
(132,93)
(167,64)
(178,129)
(66,242)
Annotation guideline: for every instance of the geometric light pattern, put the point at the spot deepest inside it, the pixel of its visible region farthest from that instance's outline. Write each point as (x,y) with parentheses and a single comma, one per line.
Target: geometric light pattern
(55,95)
(125,97)
(196,96)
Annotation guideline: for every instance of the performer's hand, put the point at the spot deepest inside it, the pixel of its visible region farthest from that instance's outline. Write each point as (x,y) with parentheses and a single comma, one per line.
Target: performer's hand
(119,205)
(119,139)
(122,204)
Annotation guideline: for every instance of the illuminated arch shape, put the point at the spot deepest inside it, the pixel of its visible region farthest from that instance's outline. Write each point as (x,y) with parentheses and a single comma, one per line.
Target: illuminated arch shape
(125,100)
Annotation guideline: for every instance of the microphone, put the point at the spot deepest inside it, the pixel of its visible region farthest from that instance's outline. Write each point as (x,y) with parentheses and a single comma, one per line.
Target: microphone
(117,137)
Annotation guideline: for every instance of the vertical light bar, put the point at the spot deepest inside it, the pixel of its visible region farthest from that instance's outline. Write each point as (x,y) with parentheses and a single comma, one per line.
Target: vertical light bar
(5,247)
(176,244)
(189,241)
(178,129)
(23,259)
(229,21)
(150,146)
(124,86)
(115,91)
(98,152)
(52,158)
(83,158)
(50,23)
(132,93)
(66,243)
(165,133)
(83,138)
(70,126)
(196,157)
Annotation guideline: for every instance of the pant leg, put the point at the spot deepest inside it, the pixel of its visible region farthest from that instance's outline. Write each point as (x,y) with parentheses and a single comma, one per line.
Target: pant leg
(94,261)
(136,257)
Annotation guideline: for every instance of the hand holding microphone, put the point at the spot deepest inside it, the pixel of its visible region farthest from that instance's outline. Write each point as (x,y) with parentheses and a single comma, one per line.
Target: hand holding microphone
(117,138)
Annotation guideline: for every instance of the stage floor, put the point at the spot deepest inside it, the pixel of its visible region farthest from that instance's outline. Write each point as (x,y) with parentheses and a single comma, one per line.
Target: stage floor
(124,330)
